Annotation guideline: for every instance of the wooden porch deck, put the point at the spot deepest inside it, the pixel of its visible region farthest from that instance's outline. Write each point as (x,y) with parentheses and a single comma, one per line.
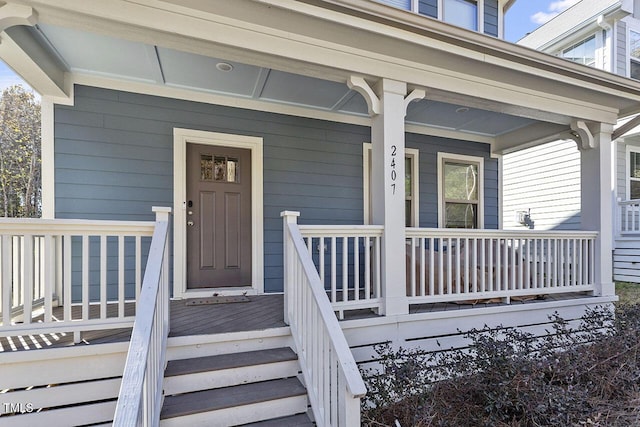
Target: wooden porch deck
(259,313)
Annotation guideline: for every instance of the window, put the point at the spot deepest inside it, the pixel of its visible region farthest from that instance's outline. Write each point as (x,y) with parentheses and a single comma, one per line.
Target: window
(583,52)
(410,185)
(463,13)
(634,172)
(460,191)
(634,54)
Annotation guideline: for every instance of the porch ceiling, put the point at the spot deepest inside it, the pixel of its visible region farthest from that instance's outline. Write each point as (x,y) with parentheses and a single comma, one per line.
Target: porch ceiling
(295,57)
(82,52)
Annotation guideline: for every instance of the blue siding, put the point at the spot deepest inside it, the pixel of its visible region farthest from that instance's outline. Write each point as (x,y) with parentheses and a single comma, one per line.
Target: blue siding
(428,8)
(491,17)
(114,160)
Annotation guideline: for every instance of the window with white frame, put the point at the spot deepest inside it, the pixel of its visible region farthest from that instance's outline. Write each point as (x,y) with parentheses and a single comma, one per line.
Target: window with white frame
(460,191)
(633,185)
(411,185)
(634,54)
(583,52)
(463,13)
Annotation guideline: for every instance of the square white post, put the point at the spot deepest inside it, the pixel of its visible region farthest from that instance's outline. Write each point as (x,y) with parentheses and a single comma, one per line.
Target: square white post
(597,201)
(288,217)
(388,192)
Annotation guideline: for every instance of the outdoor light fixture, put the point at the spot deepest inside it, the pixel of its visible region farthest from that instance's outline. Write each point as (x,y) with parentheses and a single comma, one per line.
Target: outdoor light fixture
(224,67)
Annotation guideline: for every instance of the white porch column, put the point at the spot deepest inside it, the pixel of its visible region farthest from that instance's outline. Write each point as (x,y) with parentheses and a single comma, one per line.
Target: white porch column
(597,202)
(387,192)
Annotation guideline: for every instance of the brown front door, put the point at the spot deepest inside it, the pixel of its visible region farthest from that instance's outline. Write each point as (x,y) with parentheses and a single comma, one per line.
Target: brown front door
(218,216)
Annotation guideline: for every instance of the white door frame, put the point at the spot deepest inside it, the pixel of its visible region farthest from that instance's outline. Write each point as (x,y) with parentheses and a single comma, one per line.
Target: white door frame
(180,139)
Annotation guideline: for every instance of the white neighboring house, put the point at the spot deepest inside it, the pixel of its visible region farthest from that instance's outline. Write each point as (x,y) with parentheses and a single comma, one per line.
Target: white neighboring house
(542,183)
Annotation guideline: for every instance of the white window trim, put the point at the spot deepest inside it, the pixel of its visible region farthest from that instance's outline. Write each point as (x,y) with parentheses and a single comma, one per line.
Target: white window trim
(627,166)
(180,139)
(413,154)
(636,29)
(462,158)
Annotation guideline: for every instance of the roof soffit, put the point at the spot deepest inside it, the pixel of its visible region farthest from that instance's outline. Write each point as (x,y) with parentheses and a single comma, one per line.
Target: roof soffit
(317,42)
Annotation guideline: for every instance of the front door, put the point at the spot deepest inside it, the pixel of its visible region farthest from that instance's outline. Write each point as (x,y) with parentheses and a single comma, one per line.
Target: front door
(218,216)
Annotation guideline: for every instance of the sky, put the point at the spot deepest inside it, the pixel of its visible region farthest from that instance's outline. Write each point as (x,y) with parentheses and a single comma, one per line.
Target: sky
(523,17)
(527,15)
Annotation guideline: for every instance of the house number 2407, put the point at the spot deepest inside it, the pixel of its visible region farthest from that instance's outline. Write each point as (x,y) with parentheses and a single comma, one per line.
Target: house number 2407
(394,173)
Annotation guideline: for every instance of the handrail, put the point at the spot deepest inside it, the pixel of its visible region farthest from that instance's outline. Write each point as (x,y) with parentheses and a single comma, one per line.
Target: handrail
(504,234)
(320,343)
(629,202)
(140,397)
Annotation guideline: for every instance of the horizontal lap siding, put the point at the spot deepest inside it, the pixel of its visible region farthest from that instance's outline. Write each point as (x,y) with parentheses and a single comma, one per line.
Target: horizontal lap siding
(621,48)
(491,17)
(114,160)
(546,180)
(428,8)
(621,170)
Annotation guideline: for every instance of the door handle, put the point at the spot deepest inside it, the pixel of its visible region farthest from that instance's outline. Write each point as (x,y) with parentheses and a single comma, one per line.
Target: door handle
(190,223)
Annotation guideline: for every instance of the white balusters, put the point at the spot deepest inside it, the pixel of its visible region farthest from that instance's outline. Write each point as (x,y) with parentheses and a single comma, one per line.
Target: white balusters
(462,265)
(352,275)
(50,263)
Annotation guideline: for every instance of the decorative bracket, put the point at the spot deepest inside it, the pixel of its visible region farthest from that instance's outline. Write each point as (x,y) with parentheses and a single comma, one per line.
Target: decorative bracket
(361,86)
(12,14)
(415,95)
(582,135)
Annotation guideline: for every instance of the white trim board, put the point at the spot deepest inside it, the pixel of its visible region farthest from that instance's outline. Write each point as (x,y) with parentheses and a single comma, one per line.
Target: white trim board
(47,141)
(180,139)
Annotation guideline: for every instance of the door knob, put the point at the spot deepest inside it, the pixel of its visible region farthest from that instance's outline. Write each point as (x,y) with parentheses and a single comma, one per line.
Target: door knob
(190,223)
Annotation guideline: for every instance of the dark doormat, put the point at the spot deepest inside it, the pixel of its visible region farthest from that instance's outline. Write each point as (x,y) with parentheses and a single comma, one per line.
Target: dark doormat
(217,300)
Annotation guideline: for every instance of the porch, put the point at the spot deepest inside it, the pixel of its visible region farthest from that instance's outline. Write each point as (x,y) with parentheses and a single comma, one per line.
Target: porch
(626,253)
(455,279)
(256,313)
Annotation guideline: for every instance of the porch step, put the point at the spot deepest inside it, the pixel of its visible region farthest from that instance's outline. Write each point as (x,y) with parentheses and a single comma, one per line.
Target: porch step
(202,373)
(300,420)
(236,405)
(235,389)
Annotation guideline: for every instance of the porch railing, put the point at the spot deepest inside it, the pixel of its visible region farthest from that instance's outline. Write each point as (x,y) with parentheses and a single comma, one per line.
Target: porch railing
(629,216)
(459,265)
(140,397)
(89,268)
(334,384)
(347,259)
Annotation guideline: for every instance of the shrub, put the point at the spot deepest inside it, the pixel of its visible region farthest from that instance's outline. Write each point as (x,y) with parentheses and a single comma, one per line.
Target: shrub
(585,375)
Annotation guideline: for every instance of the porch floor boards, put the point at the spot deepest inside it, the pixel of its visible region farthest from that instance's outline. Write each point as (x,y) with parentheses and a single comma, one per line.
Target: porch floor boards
(260,313)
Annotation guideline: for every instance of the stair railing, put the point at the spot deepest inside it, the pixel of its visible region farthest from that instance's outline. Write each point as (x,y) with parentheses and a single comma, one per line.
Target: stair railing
(333,382)
(140,398)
